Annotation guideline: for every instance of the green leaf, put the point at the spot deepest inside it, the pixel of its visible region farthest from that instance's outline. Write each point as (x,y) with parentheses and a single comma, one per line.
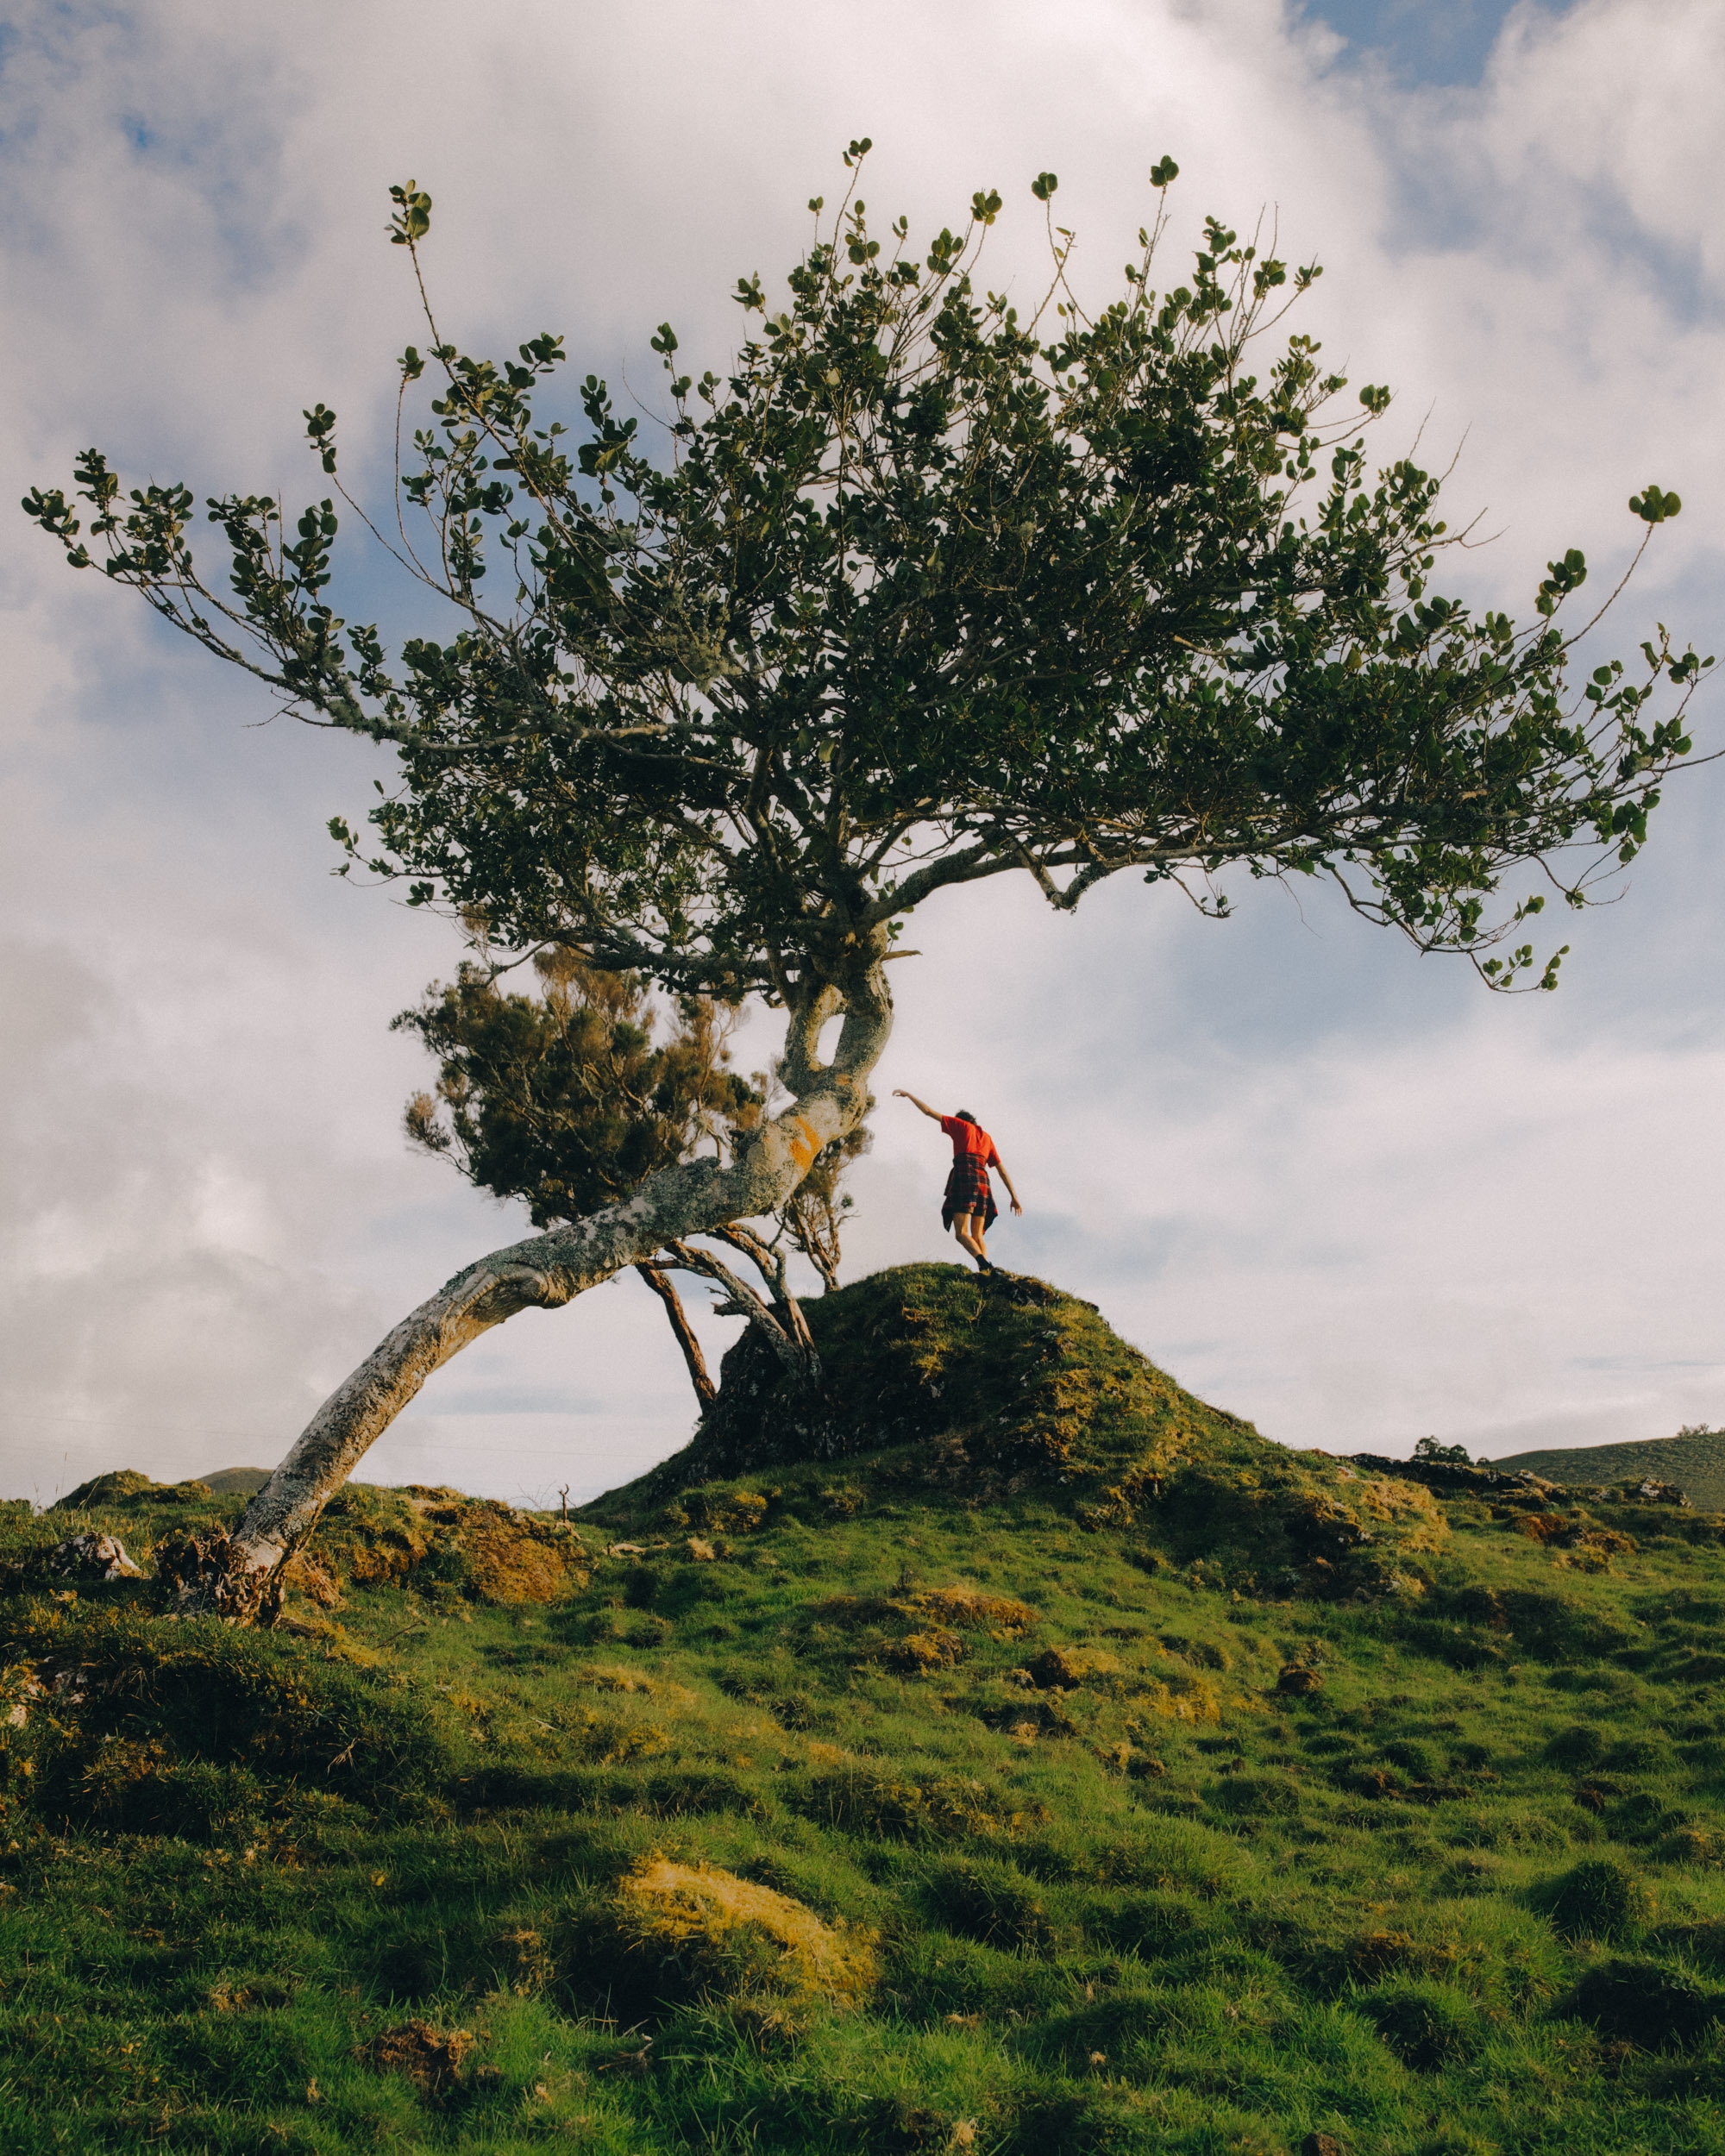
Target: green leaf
(1043,186)
(1163,172)
(412,220)
(1655,506)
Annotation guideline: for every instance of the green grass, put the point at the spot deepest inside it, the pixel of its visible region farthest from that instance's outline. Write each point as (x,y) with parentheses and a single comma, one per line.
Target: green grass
(1233,1799)
(1696,1464)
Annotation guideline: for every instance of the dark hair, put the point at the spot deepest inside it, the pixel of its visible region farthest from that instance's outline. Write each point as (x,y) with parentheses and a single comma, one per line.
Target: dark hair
(965,1116)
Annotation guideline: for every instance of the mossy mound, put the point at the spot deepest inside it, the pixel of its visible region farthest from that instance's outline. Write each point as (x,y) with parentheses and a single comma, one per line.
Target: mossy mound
(999,1385)
(122,1483)
(118,1720)
(724,1935)
(443,1544)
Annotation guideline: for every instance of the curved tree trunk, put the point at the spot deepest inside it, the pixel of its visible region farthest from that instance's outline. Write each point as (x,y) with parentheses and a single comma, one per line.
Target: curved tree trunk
(239,1576)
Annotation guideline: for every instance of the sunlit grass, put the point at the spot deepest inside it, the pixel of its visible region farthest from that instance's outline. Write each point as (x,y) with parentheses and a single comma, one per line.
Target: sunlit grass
(1112,1838)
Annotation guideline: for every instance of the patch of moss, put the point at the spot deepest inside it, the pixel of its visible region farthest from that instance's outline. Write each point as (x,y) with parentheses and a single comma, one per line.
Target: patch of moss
(705,1929)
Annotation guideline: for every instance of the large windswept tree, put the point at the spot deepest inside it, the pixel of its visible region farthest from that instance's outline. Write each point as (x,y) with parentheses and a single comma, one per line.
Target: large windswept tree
(925,588)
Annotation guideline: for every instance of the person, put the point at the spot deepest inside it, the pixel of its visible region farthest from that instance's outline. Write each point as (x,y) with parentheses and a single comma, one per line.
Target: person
(968,1208)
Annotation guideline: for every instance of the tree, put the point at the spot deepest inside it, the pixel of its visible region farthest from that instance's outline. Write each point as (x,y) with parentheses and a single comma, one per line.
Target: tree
(922,591)
(568,1100)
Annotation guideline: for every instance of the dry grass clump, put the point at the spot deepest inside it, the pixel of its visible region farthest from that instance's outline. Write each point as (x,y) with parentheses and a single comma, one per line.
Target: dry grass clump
(1181,1695)
(1068,1668)
(920,1653)
(1002,1616)
(603,1677)
(1370,1956)
(429,2058)
(1408,1506)
(719,1927)
(513,1559)
(1571,1531)
(440,1540)
(866,1797)
(918,1631)
(737,1512)
(607,1737)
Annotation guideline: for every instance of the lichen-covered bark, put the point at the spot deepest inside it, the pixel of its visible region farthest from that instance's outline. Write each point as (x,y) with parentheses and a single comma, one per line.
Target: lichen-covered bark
(238,1577)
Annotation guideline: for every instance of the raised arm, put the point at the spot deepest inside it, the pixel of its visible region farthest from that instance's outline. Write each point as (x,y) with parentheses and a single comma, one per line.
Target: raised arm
(899,1094)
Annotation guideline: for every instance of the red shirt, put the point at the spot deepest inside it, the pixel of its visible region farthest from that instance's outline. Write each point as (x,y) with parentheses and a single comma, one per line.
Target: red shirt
(967,1138)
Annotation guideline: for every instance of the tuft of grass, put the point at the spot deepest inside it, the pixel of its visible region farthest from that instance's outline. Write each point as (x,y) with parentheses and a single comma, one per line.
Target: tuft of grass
(1600,1898)
(1648,2004)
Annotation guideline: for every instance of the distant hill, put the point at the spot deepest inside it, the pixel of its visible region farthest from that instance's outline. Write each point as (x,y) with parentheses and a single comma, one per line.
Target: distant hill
(122,1483)
(227,1481)
(1696,1463)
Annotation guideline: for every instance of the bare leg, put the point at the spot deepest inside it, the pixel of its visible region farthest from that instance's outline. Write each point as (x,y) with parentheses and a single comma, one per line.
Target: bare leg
(966,1226)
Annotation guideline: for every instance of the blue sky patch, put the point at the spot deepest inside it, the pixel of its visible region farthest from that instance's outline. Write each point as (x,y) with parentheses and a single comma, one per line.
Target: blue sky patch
(1434,41)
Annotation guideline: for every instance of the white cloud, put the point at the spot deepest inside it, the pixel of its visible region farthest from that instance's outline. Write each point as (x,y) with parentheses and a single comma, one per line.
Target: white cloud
(1336,1188)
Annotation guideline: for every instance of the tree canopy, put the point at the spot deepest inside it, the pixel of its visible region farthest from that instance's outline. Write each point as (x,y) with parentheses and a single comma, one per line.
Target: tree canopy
(569,1100)
(926,588)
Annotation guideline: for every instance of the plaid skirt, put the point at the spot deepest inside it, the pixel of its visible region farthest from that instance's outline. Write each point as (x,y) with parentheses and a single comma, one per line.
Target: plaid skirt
(969,1190)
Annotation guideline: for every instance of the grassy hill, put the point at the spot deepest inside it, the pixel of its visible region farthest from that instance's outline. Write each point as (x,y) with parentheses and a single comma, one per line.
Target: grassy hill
(228,1481)
(1697,1464)
(1052,1764)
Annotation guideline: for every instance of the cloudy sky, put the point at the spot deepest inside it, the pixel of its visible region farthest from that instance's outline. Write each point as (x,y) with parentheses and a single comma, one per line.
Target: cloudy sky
(1330,1185)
